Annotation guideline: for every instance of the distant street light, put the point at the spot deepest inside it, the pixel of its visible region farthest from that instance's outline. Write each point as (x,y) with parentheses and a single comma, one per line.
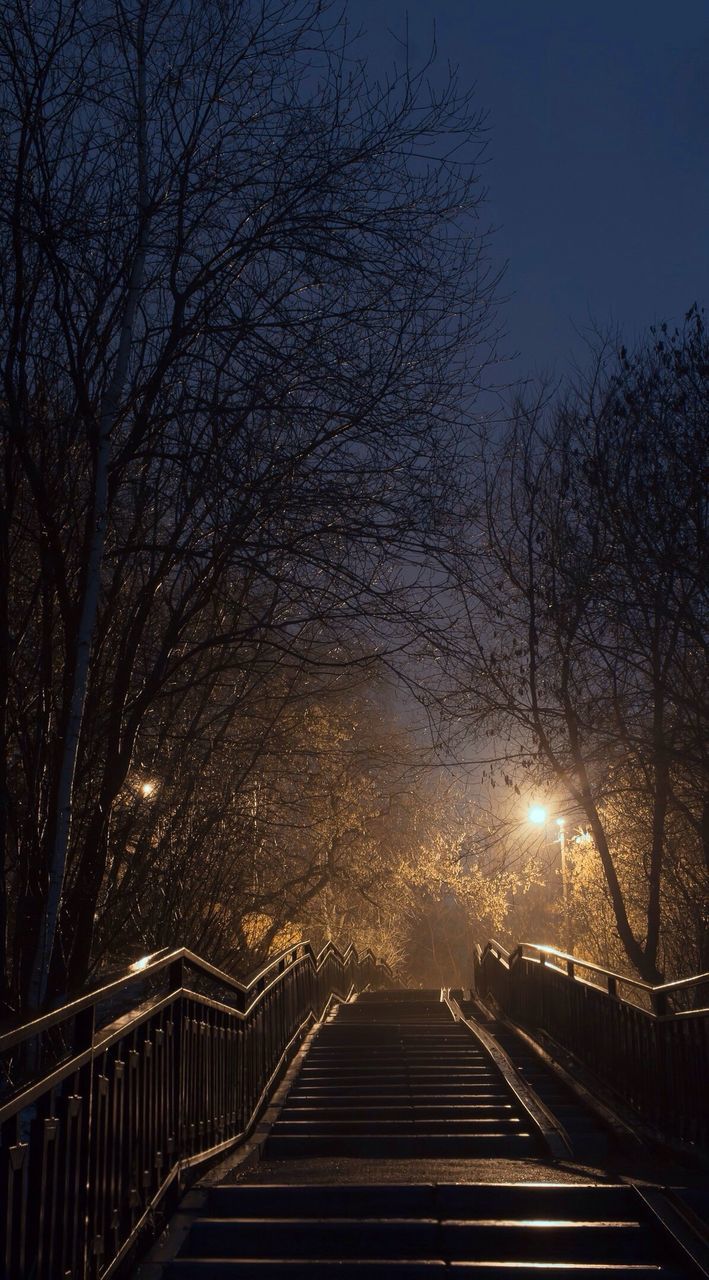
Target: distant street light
(147,789)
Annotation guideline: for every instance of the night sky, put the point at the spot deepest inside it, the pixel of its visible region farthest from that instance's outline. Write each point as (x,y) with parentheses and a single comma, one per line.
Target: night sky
(597,165)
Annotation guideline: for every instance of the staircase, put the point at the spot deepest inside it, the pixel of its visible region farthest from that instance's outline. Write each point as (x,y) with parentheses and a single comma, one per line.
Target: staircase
(392,1076)
(393,1073)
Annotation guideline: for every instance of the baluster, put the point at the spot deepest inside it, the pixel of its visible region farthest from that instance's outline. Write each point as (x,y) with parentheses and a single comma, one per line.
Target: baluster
(13,1196)
(96,1233)
(44,1189)
(161,1099)
(176,1050)
(118,1186)
(70,1264)
(659,1003)
(131,1178)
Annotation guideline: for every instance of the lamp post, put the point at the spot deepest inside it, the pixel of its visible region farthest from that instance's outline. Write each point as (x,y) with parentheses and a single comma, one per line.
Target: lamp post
(561,824)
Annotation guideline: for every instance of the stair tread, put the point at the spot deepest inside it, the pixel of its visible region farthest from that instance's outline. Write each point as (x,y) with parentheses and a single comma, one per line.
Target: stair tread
(383,1268)
(182,1266)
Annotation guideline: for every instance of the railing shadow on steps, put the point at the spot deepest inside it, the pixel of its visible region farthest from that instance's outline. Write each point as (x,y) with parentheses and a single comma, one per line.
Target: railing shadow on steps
(132,1085)
(649,1045)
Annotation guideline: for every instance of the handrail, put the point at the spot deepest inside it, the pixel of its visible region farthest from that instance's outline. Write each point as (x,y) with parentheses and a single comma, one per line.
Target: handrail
(542,1120)
(657,993)
(149,966)
(99,1122)
(651,1051)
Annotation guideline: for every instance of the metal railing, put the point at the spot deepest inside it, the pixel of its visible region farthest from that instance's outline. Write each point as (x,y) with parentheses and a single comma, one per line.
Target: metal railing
(107,1101)
(648,1044)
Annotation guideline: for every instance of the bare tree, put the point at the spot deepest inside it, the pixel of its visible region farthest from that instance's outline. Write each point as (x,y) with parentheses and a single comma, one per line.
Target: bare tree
(587,596)
(242,290)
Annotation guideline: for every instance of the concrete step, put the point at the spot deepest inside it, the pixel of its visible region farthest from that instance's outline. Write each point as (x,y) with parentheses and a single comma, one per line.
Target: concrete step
(422,1074)
(472,1094)
(395,1013)
(549,1241)
(370,1064)
(360,1064)
(391,1031)
(369,1124)
(345,1110)
(420,1145)
(392,1200)
(387,1034)
(545,1241)
(351,1056)
(412,995)
(410,1238)
(395,1269)
(458,1200)
(384,1037)
(401,1015)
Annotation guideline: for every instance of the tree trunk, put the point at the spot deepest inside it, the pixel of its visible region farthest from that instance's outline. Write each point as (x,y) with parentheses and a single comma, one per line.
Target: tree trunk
(5,995)
(96,544)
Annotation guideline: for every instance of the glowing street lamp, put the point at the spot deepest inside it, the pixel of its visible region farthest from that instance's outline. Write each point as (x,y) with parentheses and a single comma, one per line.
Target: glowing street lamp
(538,815)
(147,789)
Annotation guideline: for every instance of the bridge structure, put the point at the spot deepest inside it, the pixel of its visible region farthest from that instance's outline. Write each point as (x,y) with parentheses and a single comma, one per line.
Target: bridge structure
(320,1121)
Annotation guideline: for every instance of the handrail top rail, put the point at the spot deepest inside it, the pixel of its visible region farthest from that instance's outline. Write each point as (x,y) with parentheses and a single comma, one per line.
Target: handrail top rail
(663,988)
(159,960)
(577,962)
(494,946)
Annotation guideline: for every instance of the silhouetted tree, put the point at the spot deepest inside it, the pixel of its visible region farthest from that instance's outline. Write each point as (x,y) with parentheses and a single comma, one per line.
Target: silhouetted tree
(241,292)
(586,589)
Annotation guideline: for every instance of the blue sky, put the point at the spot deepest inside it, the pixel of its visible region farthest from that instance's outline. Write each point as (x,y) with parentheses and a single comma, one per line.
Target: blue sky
(598,162)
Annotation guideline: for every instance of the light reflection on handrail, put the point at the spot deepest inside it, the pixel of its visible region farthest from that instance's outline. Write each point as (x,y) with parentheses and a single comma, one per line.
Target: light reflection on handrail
(153,964)
(573,963)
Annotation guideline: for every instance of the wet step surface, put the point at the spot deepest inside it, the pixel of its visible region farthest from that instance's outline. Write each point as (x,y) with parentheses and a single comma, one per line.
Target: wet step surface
(399,1077)
(415,1230)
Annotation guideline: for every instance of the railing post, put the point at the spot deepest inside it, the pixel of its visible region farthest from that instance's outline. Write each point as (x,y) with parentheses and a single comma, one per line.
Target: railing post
(659,1003)
(176,981)
(476,969)
(82,1229)
(176,974)
(13,1197)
